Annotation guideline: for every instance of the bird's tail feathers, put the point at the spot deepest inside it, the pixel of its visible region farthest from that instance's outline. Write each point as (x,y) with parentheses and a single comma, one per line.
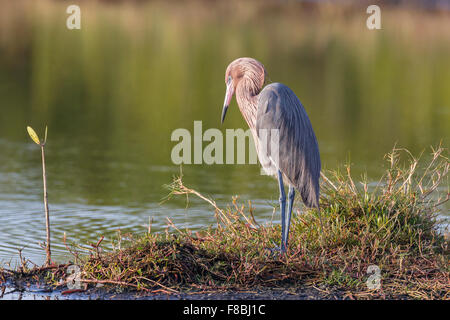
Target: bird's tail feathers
(310,194)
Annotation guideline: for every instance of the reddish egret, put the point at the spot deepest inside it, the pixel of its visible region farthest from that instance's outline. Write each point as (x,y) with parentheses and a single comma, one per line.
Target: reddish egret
(276,107)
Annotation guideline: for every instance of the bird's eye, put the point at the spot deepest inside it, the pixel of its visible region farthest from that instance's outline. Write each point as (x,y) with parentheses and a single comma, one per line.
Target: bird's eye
(229,80)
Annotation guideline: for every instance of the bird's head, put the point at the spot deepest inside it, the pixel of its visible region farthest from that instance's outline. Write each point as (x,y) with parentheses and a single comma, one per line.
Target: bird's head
(243,71)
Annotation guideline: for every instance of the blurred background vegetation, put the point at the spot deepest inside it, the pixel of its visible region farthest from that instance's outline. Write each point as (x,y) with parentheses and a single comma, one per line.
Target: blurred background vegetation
(113,92)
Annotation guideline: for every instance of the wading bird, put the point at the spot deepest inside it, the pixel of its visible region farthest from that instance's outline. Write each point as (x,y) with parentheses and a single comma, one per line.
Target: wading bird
(276,111)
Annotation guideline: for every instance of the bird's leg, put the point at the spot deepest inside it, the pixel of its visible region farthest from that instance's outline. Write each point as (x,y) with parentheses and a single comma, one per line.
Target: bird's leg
(283,216)
(282,209)
(291,196)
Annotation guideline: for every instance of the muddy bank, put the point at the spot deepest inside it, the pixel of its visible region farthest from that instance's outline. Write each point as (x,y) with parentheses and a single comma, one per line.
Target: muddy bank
(11,290)
(16,287)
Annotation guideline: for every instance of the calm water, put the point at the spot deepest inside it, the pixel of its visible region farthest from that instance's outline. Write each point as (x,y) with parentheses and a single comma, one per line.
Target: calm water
(113,92)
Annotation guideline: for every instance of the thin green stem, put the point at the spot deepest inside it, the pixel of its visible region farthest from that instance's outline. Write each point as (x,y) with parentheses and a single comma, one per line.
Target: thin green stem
(47,216)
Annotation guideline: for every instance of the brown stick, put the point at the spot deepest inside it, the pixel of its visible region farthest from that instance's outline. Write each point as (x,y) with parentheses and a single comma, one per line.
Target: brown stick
(47,216)
(72,291)
(121,283)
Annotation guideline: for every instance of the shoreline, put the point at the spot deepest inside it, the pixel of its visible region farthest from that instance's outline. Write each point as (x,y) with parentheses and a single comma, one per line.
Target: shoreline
(362,244)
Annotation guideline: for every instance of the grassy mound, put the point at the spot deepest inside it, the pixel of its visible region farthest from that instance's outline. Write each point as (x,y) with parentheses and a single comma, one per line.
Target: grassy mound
(391,227)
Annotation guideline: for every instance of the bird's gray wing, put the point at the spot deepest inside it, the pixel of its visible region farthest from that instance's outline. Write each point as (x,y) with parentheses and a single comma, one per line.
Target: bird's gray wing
(298,156)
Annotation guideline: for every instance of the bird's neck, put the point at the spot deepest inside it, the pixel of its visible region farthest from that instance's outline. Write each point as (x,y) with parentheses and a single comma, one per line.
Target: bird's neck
(247,99)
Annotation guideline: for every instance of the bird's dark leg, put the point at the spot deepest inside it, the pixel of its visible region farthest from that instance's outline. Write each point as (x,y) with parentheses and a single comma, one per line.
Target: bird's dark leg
(291,196)
(282,209)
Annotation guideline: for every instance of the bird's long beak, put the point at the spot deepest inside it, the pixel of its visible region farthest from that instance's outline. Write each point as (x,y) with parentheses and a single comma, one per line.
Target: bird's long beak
(228,96)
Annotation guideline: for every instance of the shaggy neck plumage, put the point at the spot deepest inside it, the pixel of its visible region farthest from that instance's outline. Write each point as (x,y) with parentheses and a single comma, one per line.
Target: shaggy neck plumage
(247,98)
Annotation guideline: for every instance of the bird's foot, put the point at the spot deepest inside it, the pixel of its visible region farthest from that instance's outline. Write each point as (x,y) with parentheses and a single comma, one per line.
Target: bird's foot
(275,251)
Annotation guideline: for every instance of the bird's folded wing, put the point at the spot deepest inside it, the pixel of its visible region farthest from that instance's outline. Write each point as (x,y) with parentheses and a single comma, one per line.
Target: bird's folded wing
(298,155)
